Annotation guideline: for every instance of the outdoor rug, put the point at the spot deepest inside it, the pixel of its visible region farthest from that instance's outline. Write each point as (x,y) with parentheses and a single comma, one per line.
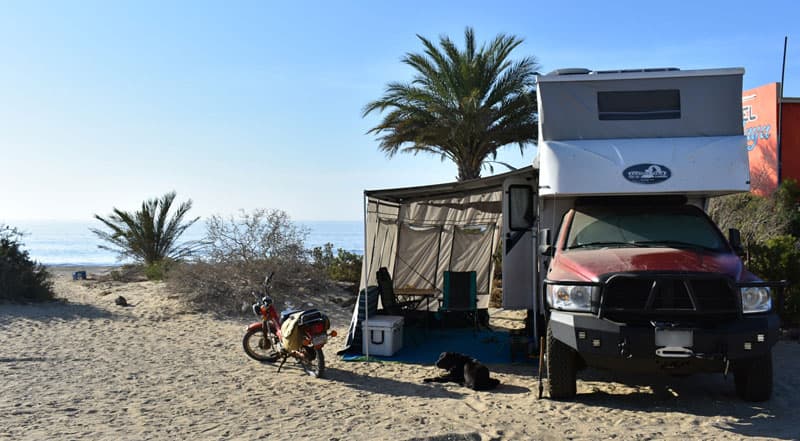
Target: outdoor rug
(421,346)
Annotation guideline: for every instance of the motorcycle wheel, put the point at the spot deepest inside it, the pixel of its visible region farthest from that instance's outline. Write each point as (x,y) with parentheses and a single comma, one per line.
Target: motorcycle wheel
(258,346)
(314,363)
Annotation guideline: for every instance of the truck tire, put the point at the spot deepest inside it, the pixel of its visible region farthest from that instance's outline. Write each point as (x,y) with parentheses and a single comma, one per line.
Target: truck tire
(561,368)
(753,378)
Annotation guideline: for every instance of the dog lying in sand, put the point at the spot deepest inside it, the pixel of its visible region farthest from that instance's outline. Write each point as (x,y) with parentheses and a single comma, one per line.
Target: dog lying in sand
(464,370)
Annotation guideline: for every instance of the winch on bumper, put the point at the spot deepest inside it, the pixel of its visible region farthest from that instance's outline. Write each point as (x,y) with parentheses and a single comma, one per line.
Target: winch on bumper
(678,347)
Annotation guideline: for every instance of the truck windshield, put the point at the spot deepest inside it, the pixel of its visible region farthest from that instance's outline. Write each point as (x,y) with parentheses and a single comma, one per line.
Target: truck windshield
(670,226)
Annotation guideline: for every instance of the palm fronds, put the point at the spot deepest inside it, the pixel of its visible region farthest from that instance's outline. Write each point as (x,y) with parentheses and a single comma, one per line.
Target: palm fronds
(149,235)
(461,105)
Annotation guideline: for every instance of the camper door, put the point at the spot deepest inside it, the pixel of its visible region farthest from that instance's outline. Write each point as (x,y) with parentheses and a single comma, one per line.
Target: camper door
(519,242)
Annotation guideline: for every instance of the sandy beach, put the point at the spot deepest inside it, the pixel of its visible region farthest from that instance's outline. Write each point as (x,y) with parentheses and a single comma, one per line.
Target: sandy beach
(84,368)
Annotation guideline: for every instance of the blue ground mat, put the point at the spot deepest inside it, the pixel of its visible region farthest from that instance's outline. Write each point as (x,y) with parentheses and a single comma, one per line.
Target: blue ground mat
(423,346)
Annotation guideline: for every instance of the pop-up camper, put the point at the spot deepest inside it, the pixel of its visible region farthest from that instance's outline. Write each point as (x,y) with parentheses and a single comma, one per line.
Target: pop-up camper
(606,241)
(630,272)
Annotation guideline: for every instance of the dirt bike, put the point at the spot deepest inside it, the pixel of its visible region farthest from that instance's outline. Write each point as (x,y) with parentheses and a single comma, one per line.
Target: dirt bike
(265,340)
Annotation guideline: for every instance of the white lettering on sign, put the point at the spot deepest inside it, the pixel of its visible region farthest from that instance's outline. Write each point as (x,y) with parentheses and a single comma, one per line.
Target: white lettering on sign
(747,114)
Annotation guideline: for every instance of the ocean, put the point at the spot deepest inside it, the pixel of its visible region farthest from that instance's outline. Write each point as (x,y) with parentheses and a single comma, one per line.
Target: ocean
(72,243)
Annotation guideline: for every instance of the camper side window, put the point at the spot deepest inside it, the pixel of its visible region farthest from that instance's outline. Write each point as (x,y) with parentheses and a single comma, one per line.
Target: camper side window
(520,207)
(639,105)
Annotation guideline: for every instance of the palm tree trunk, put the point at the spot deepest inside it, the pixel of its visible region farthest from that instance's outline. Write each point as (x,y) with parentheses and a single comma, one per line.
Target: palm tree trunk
(466,172)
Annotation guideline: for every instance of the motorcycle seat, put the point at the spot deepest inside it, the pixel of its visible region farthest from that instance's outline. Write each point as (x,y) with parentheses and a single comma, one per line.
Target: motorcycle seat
(286,313)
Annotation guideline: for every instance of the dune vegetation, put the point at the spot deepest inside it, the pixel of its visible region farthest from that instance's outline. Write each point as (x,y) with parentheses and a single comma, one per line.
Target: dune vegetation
(21,279)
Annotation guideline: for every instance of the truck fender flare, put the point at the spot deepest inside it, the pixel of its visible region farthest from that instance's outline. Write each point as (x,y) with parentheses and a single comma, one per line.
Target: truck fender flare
(563,326)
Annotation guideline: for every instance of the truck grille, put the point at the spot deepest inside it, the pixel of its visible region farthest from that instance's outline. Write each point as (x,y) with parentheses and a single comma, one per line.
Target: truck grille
(668,294)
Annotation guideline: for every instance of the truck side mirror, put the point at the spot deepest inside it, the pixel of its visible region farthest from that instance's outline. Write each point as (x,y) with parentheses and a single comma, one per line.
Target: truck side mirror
(545,243)
(735,239)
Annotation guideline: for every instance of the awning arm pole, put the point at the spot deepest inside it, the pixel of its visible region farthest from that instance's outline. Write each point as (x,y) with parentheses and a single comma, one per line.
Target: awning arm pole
(367,269)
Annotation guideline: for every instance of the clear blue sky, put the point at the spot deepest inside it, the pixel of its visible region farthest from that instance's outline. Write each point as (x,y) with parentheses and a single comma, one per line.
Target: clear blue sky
(258,104)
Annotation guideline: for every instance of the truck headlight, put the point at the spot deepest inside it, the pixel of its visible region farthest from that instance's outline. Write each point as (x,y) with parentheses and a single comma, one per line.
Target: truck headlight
(756,299)
(572,297)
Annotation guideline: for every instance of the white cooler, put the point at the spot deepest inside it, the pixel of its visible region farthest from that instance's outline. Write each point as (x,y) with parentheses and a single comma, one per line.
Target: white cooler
(383,335)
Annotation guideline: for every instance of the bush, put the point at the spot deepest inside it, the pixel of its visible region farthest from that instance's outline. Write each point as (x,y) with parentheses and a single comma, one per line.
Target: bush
(770,227)
(21,279)
(262,234)
(779,259)
(125,274)
(157,270)
(344,267)
(759,218)
(241,251)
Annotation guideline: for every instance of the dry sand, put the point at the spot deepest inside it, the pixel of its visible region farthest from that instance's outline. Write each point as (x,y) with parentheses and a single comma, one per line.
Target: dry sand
(88,369)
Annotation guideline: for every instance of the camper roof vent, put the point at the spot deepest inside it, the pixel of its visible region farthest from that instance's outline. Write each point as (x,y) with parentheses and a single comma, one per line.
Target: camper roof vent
(649,69)
(570,71)
(583,71)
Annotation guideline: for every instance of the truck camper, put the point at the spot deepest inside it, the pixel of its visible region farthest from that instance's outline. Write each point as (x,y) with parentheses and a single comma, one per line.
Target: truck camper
(605,239)
(609,245)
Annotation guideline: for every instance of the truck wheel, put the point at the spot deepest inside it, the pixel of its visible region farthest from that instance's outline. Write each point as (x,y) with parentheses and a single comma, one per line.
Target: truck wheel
(561,368)
(753,378)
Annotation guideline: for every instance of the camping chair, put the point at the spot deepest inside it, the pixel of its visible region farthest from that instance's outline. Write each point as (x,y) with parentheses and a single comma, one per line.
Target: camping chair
(388,299)
(460,294)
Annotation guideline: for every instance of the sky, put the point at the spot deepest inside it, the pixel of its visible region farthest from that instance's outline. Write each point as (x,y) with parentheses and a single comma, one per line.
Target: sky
(245,105)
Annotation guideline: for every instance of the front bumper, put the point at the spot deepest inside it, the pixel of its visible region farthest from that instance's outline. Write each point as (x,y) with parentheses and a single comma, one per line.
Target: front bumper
(605,344)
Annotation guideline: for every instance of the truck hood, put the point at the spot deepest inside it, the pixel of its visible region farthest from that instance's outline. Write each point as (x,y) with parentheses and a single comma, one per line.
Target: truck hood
(589,265)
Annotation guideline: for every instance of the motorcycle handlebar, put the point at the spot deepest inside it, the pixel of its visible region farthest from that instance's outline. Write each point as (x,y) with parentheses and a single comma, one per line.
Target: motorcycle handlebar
(268,280)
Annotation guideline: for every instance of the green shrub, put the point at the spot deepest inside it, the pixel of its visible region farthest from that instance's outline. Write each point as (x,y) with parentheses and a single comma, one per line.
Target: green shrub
(770,227)
(21,279)
(779,259)
(156,270)
(759,218)
(323,256)
(343,267)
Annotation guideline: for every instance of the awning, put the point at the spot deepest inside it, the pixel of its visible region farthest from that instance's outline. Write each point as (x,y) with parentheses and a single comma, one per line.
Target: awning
(447,190)
(418,233)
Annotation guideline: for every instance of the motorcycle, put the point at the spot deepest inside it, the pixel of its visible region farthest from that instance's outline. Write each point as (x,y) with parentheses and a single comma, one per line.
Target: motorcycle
(271,339)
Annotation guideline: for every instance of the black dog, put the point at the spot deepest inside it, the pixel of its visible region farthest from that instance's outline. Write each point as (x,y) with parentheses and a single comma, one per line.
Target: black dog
(464,370)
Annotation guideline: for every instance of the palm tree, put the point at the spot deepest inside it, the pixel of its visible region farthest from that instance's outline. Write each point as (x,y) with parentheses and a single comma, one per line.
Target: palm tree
(462,104)
(147,235)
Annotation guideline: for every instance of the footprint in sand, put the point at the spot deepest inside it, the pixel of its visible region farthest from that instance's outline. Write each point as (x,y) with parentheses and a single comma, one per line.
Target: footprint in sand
(475,403)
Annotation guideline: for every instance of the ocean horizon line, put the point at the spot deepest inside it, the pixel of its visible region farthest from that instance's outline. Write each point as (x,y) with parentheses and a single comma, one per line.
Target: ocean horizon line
(68,243)
(10,221)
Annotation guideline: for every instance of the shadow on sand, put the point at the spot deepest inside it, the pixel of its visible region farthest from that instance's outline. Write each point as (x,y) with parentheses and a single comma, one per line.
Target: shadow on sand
(524,369)
(451,437)
(706,395)
(387,386)
(55,310)
(510,389)
(23,360)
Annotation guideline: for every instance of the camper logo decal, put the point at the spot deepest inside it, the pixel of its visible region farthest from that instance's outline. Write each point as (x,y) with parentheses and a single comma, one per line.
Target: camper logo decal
(647,173)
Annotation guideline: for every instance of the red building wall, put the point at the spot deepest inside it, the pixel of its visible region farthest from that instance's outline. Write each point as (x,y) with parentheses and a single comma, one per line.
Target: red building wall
(790,140)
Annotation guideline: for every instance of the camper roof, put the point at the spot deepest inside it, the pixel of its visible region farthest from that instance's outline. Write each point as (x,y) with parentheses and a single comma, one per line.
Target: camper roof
(581,74)
(642,131)
(644,103)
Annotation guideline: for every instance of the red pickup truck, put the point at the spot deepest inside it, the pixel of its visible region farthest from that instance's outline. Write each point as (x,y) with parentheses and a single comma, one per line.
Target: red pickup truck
(653,285)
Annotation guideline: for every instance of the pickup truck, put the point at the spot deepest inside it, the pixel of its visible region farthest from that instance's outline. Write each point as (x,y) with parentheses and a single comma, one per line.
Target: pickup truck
(652,285)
